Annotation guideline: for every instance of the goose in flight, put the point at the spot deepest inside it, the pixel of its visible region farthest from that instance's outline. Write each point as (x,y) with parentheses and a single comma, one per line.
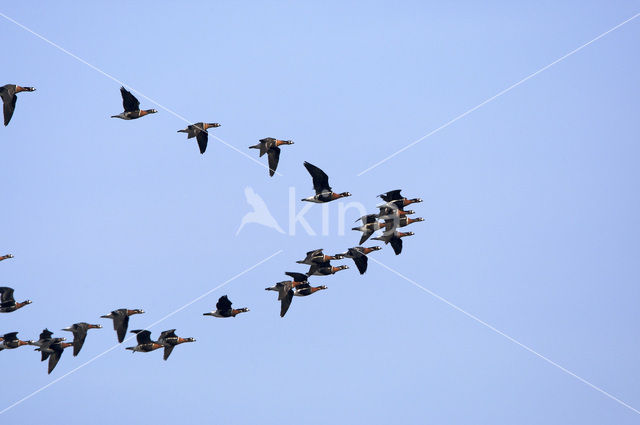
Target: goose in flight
(131,107)
(8,94)
(121,320)
(270,146)
(199,131)
(223,309)
(321,186)
(8,303)
(79,331)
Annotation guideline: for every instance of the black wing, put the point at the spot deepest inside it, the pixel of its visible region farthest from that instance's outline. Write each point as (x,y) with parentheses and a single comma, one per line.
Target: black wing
(366,235)
(7,294)
(283,288)
(143,336)
(120,324)
(46,334)
(54,357)
(171,333)
(399,204)
(396,243)
(274,157)
(285,303)
(265,144)
(203,138)
(369,218)
(8,104)
(320,178)
(297,277)
(11,336)
(361,262)
(79,335)
(316,266)
(223,303)
(129,101)
(167,351)
(392,195)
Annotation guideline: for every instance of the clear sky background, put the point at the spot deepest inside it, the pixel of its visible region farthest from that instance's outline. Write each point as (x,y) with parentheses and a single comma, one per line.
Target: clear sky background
(531,207)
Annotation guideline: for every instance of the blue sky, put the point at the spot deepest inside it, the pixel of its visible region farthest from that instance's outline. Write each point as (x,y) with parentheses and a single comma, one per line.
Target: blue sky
(531,206)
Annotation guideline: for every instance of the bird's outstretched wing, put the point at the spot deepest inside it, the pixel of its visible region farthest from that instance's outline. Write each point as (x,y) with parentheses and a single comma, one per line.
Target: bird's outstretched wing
(129,101)
(396,244)
(45,334)
(9,100)
(223,303)
(392,195)
(167,351)
(365,235)
(320,178)
(285,303)
(143,336)
(274,158)
(297,277)
(203,138)
(7,294)
(361,261)
(78,340)
(120,324)
(54,358)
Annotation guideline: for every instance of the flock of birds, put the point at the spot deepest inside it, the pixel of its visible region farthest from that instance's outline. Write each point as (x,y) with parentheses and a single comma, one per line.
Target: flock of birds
(391,213)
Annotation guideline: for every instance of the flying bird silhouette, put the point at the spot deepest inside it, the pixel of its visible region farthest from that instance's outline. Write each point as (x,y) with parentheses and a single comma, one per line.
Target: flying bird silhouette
(260,213)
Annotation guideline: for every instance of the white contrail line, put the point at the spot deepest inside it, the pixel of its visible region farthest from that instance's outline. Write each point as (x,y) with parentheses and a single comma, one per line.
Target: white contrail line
(448,123)
(499,332)
(111,77)
(27,397)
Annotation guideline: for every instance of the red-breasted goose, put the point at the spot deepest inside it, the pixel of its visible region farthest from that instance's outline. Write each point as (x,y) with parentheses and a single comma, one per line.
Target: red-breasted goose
(369,226)
(169,340)
(10,341)
(321,186)
(8,303)
(270,146)
(145,344)
(199,131)
(223,309)
(393,197)
(121,320)
(306,290)
(56,352)
(316,256)
(324,269)
(359,256)
(45,342)
(79,331)
(8,94)
(394,239)
(131,107)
